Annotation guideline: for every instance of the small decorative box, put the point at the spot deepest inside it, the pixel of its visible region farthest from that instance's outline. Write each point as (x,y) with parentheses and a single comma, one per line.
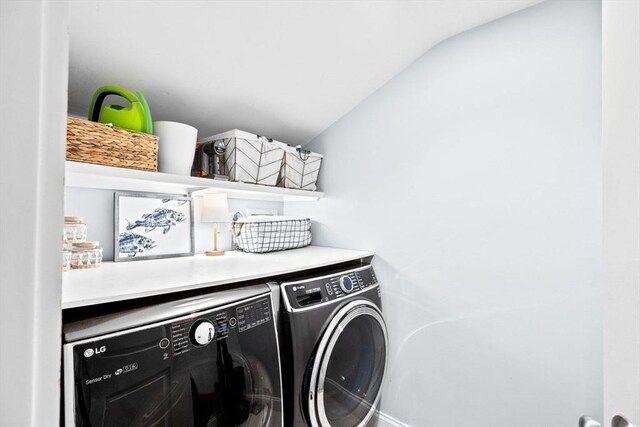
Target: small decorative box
(86,255)
(74,229)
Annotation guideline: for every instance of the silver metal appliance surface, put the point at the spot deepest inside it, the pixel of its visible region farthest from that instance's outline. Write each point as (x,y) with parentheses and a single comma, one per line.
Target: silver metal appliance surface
(335,348)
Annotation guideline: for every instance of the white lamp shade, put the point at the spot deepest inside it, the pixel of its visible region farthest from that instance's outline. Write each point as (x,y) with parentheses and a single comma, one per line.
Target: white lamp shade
(215,208)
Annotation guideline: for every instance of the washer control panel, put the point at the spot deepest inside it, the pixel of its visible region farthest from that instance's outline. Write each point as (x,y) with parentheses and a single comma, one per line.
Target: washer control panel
(346,284)
(306,293)
(202,330)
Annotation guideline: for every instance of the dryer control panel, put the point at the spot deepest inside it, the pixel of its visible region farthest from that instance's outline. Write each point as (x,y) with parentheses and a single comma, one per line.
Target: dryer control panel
(318,290)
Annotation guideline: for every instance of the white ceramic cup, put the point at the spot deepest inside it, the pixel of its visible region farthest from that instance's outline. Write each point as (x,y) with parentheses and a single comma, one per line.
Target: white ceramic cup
(176,147)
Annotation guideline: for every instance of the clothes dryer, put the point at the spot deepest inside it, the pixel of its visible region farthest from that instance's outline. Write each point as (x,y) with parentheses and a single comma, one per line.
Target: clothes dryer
(336,348)
(210,360)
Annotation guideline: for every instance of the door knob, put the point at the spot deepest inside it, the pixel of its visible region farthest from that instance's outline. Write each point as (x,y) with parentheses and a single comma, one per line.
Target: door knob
(587,421)
(620,421)
(617,421)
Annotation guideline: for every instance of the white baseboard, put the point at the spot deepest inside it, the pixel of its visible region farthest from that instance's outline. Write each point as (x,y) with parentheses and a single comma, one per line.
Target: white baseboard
(385,420)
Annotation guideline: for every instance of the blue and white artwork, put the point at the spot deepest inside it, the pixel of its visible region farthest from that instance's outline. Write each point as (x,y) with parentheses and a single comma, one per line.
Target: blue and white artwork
(131,244)
(164,218)
(152,225)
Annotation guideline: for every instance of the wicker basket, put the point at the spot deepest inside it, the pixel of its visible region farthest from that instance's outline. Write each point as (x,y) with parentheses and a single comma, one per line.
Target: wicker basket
(92,142)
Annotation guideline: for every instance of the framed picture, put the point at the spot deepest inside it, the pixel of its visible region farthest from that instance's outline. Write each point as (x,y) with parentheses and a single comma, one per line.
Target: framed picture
(150,226)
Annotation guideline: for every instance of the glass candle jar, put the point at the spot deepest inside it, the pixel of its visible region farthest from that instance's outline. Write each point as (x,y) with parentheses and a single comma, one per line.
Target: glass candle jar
(66,260)
(86,255)
(74,229)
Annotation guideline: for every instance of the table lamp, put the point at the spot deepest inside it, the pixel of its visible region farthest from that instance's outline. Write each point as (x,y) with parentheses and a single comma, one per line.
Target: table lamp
(215,209)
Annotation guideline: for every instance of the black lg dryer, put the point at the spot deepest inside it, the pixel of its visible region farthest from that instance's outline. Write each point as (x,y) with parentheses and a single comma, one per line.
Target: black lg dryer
(336,353)
(205,361)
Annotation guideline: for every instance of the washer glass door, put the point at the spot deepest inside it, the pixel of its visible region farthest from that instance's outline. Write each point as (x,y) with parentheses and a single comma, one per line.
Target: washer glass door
(347,375)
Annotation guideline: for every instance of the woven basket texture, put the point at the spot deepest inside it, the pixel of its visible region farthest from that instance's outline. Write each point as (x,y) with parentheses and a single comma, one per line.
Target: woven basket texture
(92,142)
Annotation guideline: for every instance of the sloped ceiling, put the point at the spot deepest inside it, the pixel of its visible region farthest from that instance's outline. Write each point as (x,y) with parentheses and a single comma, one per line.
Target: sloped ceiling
(285,69)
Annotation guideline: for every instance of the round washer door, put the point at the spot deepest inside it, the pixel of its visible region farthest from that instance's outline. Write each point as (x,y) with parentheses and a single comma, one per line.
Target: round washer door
(349,367)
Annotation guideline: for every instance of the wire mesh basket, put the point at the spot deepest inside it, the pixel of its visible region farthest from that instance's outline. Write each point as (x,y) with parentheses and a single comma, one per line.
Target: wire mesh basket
(269,233)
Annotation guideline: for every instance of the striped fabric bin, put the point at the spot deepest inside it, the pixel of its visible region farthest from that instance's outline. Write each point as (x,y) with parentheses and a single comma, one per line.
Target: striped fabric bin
(250,157)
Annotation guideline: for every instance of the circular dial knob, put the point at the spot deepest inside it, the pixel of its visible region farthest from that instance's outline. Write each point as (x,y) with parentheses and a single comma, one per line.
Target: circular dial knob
(202,332)
(346,284)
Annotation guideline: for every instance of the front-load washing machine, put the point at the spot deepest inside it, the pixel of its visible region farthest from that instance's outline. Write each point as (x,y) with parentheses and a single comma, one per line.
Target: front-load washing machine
(336,348)
(204,361)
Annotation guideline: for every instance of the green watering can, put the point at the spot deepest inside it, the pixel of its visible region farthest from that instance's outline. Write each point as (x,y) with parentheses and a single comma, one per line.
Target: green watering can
(136,117)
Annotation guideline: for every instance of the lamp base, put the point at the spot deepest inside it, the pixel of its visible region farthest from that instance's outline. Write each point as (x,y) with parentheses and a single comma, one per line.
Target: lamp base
(214,253)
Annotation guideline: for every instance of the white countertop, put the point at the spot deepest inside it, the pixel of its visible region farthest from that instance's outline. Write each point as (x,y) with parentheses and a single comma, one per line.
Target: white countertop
(135,279)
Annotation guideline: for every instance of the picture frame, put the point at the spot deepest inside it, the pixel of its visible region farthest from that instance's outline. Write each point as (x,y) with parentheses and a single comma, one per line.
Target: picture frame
(152,226)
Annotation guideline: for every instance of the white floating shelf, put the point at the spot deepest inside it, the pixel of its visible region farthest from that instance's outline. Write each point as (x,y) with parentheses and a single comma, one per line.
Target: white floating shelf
(86,175)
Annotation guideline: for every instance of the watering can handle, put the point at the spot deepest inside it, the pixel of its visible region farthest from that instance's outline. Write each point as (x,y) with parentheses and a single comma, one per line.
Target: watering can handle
(102,93)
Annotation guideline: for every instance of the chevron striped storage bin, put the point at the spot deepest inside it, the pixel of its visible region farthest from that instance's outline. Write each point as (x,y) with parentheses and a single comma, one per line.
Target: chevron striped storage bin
(300,169)
(250,157)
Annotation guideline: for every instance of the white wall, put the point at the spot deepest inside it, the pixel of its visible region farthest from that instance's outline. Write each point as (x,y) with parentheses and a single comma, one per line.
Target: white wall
(621,139)
(475,176)
(33,83)
(96,207)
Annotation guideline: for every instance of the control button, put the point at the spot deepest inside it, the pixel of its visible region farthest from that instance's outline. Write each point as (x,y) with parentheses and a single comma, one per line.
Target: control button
(202,332)
(164,343)
(346,284)
(232,322)
(329,290)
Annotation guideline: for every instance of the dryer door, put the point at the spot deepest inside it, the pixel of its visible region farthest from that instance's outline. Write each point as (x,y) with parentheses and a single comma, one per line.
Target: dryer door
(349,367)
